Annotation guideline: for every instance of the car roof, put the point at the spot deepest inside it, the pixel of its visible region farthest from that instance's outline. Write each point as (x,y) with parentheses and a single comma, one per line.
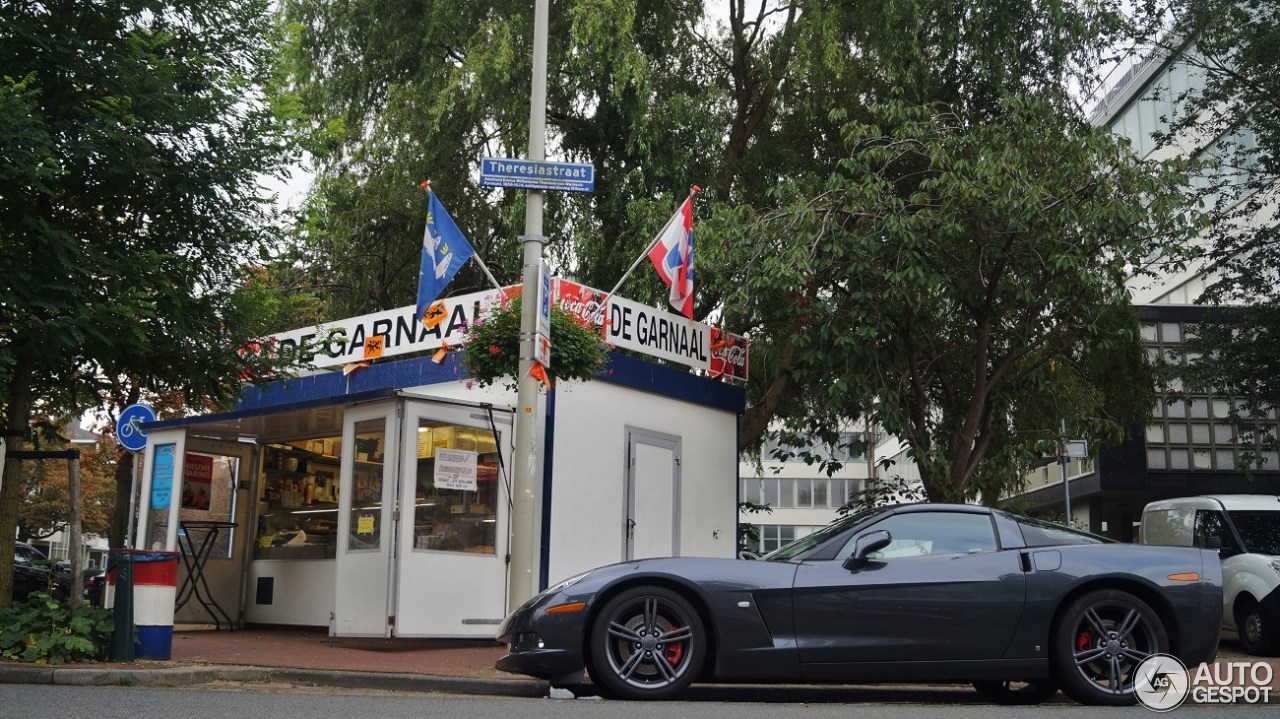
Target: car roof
(1230,502)
(934,507)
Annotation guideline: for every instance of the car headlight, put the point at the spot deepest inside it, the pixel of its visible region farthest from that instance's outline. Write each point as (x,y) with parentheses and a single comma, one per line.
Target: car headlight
(565,584)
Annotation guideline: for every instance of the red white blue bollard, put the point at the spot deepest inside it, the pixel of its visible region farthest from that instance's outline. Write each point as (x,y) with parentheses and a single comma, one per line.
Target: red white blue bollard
(154,589)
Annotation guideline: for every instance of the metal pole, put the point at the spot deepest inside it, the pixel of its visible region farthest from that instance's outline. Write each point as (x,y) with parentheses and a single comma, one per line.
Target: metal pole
(526,500)
(1063,459)
(133,500)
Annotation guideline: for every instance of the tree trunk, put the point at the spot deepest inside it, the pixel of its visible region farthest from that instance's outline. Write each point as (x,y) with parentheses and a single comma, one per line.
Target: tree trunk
(19,410)
(75,541)
(120,518)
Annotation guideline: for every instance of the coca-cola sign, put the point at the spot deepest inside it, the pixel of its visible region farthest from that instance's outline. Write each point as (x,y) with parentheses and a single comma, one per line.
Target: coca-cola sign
(728,354)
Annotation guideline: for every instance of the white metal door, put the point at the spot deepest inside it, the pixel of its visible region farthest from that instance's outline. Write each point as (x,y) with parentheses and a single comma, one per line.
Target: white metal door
(452,543)
(365,521)
(652,522)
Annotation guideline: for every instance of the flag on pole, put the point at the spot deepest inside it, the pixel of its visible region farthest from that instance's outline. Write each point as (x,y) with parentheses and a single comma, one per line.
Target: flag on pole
(444,251)
(672,255)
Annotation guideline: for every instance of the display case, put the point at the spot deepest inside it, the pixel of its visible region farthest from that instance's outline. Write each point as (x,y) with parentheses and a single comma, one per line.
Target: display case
(298,500)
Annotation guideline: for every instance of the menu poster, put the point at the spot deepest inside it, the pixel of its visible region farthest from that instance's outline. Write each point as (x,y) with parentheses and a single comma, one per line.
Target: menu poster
(197,480)
(455,469)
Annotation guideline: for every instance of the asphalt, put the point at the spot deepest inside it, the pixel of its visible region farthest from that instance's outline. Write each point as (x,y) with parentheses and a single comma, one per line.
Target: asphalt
(310,658)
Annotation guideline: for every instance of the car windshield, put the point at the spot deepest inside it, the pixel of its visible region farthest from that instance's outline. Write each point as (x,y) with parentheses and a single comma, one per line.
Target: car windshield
(1259,530)
(804,544)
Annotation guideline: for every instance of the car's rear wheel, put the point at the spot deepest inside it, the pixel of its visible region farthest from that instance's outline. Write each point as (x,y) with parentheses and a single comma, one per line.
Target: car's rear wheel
(1259,634)
(1097,643)
(646,643)
(1017,693)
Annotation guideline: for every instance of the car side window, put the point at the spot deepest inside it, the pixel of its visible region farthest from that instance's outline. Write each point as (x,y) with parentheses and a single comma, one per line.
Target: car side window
(21,556)
(1211,523)
(919,534)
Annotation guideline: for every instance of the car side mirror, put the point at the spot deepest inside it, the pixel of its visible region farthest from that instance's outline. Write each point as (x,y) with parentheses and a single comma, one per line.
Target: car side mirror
(1214,543)
(864,545)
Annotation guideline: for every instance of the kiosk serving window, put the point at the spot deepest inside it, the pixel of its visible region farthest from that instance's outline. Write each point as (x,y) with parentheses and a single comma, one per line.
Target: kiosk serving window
(298,500)
(456,489)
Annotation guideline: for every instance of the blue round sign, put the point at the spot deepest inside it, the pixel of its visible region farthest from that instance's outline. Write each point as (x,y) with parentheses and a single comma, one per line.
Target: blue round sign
(129,427)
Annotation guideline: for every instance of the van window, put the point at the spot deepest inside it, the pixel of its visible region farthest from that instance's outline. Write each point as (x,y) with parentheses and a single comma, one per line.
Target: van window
(1170,527)
(1211,523)
(1260,531)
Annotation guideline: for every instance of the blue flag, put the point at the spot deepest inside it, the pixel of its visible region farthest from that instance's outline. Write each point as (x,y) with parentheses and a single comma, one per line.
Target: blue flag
(444,251)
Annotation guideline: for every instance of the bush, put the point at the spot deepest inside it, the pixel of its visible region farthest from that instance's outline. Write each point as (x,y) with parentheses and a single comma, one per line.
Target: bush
(492,351)
(43,631)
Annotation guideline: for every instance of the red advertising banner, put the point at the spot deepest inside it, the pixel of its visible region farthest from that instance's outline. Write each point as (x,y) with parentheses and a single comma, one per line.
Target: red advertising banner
(197,480)
(728,355)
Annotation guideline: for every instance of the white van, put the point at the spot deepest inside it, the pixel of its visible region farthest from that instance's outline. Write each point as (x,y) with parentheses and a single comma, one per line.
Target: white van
(1248,529)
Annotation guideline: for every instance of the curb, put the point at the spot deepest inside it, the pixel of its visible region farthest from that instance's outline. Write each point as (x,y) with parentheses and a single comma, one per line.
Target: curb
(187,676)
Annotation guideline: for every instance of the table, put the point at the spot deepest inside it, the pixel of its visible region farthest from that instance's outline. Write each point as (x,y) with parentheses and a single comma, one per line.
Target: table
(194,557)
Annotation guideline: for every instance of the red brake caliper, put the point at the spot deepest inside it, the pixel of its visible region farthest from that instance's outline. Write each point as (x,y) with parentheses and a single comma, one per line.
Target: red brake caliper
(673,652)
(1083,642)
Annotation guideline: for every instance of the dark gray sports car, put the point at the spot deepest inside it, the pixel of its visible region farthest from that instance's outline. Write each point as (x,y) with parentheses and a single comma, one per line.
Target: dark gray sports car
(918,593)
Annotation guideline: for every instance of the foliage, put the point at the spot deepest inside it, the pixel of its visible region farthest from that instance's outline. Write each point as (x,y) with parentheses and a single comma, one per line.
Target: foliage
(130,200)
(748,533)
(43,631)
(969,277)
(44,496)
(492,352)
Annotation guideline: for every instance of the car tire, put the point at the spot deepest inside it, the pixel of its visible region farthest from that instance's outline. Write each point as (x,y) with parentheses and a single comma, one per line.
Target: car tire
(1259,635)
(1098,641)
(646,643)
(1017,693)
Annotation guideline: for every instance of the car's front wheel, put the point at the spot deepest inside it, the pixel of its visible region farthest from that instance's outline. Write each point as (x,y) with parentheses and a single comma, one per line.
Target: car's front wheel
(1259,634)
(1015,693)
(1098,642)
(646,643)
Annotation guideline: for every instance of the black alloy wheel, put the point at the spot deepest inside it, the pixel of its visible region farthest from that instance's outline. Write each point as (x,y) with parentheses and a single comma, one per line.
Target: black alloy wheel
(1017,693)
(646,643)
(1098,642)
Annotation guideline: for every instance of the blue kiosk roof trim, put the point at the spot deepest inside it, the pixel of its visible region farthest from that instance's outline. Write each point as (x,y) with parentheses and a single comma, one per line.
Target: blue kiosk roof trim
(382,380)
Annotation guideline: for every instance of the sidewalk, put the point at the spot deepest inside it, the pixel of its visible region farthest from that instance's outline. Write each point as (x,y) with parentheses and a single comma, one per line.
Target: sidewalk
(304,657)
(309,657)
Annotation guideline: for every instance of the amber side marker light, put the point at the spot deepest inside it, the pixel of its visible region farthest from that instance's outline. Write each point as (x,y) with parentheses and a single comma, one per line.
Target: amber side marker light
(570,607)
(1185,577)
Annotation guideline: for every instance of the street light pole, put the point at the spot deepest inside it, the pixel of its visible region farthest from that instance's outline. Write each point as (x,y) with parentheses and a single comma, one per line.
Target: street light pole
(526,499)
(1063,459)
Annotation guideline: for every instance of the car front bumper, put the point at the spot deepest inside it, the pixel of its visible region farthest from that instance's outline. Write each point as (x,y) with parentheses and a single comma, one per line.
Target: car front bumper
(548,646)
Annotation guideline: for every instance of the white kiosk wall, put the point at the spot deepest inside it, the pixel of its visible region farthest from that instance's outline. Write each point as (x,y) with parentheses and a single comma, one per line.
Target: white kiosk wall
(594,422)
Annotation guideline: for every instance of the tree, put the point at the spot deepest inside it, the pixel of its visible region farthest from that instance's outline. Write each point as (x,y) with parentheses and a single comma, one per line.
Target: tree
(958,279)
(658,97)
(44,499)
(1233,117)
(130,198)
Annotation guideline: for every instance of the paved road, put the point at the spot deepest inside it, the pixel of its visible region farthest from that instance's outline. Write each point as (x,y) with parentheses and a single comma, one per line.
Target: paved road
(273,702)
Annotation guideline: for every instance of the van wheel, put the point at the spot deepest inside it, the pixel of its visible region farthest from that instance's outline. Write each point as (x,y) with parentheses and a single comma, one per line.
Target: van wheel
(1258,630)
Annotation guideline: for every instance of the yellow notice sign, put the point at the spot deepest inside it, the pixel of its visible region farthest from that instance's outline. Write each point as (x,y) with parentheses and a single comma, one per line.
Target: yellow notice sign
(374,345)
(364,525)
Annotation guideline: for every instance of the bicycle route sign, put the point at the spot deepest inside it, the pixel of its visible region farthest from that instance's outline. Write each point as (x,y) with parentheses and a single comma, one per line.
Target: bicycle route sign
(129,426)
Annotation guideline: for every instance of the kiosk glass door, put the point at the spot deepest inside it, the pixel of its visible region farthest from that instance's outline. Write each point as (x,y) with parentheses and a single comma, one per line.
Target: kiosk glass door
(451,578)
(365,522)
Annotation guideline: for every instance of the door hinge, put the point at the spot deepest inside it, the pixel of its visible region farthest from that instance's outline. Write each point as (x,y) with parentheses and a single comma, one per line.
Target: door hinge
(395,515)
(391,620)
